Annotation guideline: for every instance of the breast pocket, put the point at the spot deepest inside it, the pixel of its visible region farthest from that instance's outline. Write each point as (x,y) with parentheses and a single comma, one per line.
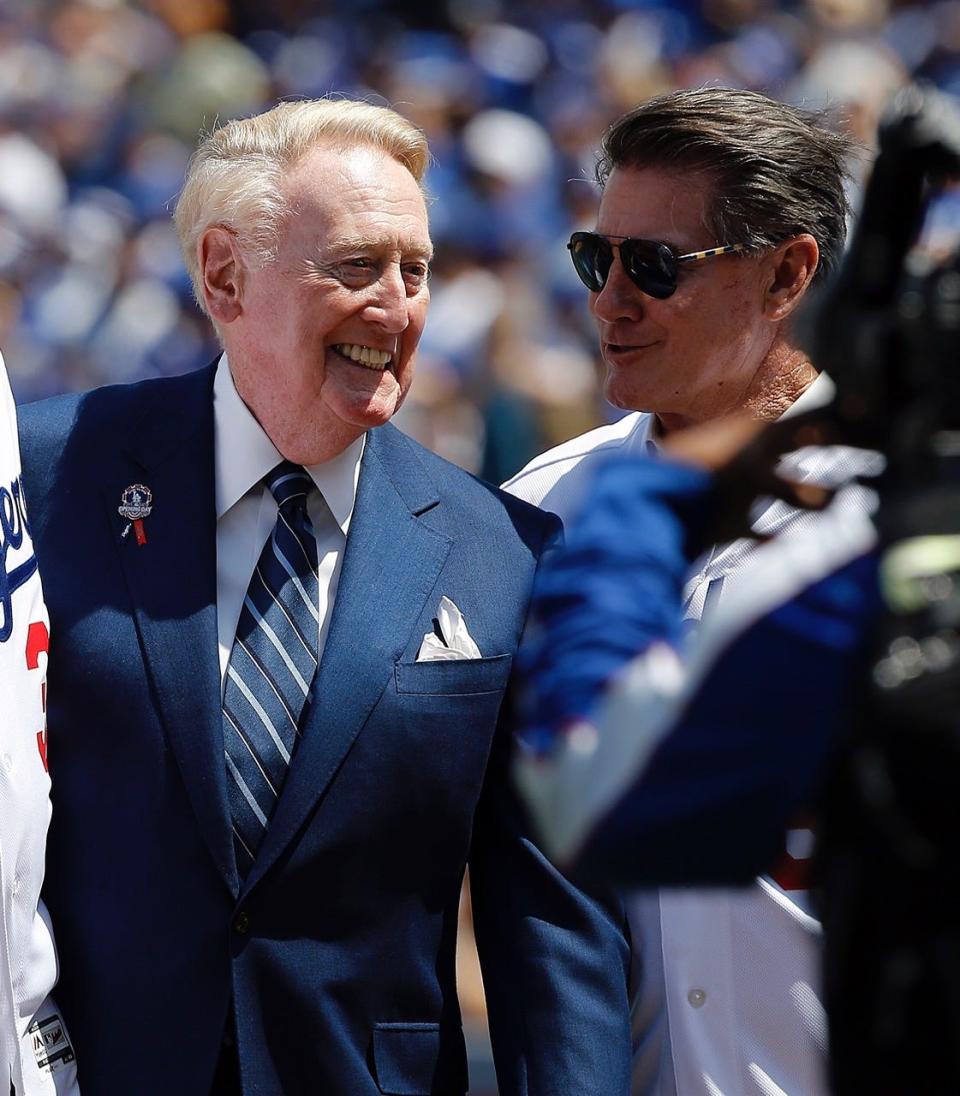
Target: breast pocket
(454,677)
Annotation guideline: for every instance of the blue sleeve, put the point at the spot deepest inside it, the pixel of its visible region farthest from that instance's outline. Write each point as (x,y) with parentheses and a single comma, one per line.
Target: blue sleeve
(750,747)
(610,591)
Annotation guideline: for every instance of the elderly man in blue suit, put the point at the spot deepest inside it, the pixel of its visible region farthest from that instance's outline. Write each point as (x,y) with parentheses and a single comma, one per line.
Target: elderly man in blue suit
(283,634)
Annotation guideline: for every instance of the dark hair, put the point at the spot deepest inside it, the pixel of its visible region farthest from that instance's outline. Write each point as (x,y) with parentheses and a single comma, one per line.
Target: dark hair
(775,170)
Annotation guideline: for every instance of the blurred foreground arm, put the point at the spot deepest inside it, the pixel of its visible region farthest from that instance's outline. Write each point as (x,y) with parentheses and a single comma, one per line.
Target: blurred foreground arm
(753,712)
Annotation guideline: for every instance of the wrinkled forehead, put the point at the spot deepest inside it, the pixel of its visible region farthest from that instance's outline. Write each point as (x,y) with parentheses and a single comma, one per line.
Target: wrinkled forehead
(657,203)
(361,171)
(358,196)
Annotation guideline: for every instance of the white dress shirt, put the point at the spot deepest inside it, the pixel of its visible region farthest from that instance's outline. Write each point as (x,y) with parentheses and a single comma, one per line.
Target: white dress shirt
(727,981)
(247,511)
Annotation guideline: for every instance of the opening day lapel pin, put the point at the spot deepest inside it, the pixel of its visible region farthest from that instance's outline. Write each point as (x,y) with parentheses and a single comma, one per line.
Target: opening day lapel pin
(135,505)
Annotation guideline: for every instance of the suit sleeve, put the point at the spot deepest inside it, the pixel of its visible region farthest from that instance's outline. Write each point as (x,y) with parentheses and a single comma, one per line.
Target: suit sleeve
(555,959)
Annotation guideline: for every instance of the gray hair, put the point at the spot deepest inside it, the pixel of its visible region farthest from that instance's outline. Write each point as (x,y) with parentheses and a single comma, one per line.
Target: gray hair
(235,177)
(775,170)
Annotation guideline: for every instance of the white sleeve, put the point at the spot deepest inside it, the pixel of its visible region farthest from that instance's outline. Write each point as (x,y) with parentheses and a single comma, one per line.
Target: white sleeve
(35,1054)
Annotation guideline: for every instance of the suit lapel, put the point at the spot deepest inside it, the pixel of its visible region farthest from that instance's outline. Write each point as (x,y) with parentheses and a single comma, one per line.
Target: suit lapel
(391,564)
(172,580)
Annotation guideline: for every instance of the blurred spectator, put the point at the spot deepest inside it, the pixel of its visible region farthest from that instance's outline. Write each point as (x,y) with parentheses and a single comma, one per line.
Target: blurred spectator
(100,101)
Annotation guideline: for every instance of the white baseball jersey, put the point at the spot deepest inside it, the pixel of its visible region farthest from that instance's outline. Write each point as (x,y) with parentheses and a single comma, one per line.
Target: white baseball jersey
(36,1057)
(727,981)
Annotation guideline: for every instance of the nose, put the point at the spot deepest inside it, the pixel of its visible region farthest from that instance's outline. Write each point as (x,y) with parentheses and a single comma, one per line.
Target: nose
(619,299)
(389,306)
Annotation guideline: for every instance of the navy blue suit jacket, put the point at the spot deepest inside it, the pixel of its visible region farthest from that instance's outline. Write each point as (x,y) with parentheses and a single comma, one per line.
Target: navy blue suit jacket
(338,949)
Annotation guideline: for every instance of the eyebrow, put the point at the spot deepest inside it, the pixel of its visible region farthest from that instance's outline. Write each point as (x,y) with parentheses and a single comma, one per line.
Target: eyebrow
(374,243)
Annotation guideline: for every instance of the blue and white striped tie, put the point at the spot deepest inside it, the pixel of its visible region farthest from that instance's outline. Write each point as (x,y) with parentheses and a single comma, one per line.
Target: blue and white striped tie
(272,664)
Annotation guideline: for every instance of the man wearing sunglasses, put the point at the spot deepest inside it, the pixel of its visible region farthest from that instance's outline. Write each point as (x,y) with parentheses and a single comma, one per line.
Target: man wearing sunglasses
(719,210)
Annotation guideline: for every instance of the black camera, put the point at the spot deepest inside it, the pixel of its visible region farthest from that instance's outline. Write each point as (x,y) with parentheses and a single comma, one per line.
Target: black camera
(888,865)
(888,331)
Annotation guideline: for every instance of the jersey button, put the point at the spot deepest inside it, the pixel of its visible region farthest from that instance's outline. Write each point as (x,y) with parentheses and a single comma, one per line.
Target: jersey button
(241,924)
(697,998)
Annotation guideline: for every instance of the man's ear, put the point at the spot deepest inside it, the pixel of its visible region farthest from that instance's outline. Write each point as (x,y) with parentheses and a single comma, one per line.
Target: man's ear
(793,264)
(221,273)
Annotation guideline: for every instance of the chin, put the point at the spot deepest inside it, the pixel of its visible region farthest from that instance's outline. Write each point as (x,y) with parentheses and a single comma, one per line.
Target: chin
(622,396)
(379,407)
(375,417)
(369,414)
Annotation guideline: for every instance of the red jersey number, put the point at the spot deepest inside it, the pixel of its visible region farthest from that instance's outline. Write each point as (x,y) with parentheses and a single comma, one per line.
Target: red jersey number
(38,643)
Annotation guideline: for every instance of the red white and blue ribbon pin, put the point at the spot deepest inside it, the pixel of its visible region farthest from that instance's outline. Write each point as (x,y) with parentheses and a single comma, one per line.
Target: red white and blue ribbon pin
(135,505)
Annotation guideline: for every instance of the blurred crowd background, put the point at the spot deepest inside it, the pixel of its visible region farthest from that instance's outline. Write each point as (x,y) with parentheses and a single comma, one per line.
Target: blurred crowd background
(101,103)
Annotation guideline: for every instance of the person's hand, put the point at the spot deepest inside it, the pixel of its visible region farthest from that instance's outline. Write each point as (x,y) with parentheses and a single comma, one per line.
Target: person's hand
(743,454)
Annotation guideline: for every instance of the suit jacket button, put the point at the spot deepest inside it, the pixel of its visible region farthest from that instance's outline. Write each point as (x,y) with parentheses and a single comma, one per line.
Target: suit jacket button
(241,923)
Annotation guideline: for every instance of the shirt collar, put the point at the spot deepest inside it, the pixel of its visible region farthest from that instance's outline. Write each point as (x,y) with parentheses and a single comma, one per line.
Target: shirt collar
(646,438)
(243,455)
(819,392)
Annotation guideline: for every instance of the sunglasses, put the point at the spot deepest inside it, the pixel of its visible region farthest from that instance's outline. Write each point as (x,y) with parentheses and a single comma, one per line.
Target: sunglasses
(651,266)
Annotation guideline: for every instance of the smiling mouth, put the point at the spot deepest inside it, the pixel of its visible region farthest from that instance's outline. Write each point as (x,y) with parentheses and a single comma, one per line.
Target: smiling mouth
(623,348)
(367,356)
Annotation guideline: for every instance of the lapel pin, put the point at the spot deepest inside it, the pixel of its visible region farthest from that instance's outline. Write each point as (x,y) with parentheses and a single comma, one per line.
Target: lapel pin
(135,505)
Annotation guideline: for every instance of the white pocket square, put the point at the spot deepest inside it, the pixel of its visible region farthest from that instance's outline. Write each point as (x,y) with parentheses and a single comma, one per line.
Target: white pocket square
(457,641)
